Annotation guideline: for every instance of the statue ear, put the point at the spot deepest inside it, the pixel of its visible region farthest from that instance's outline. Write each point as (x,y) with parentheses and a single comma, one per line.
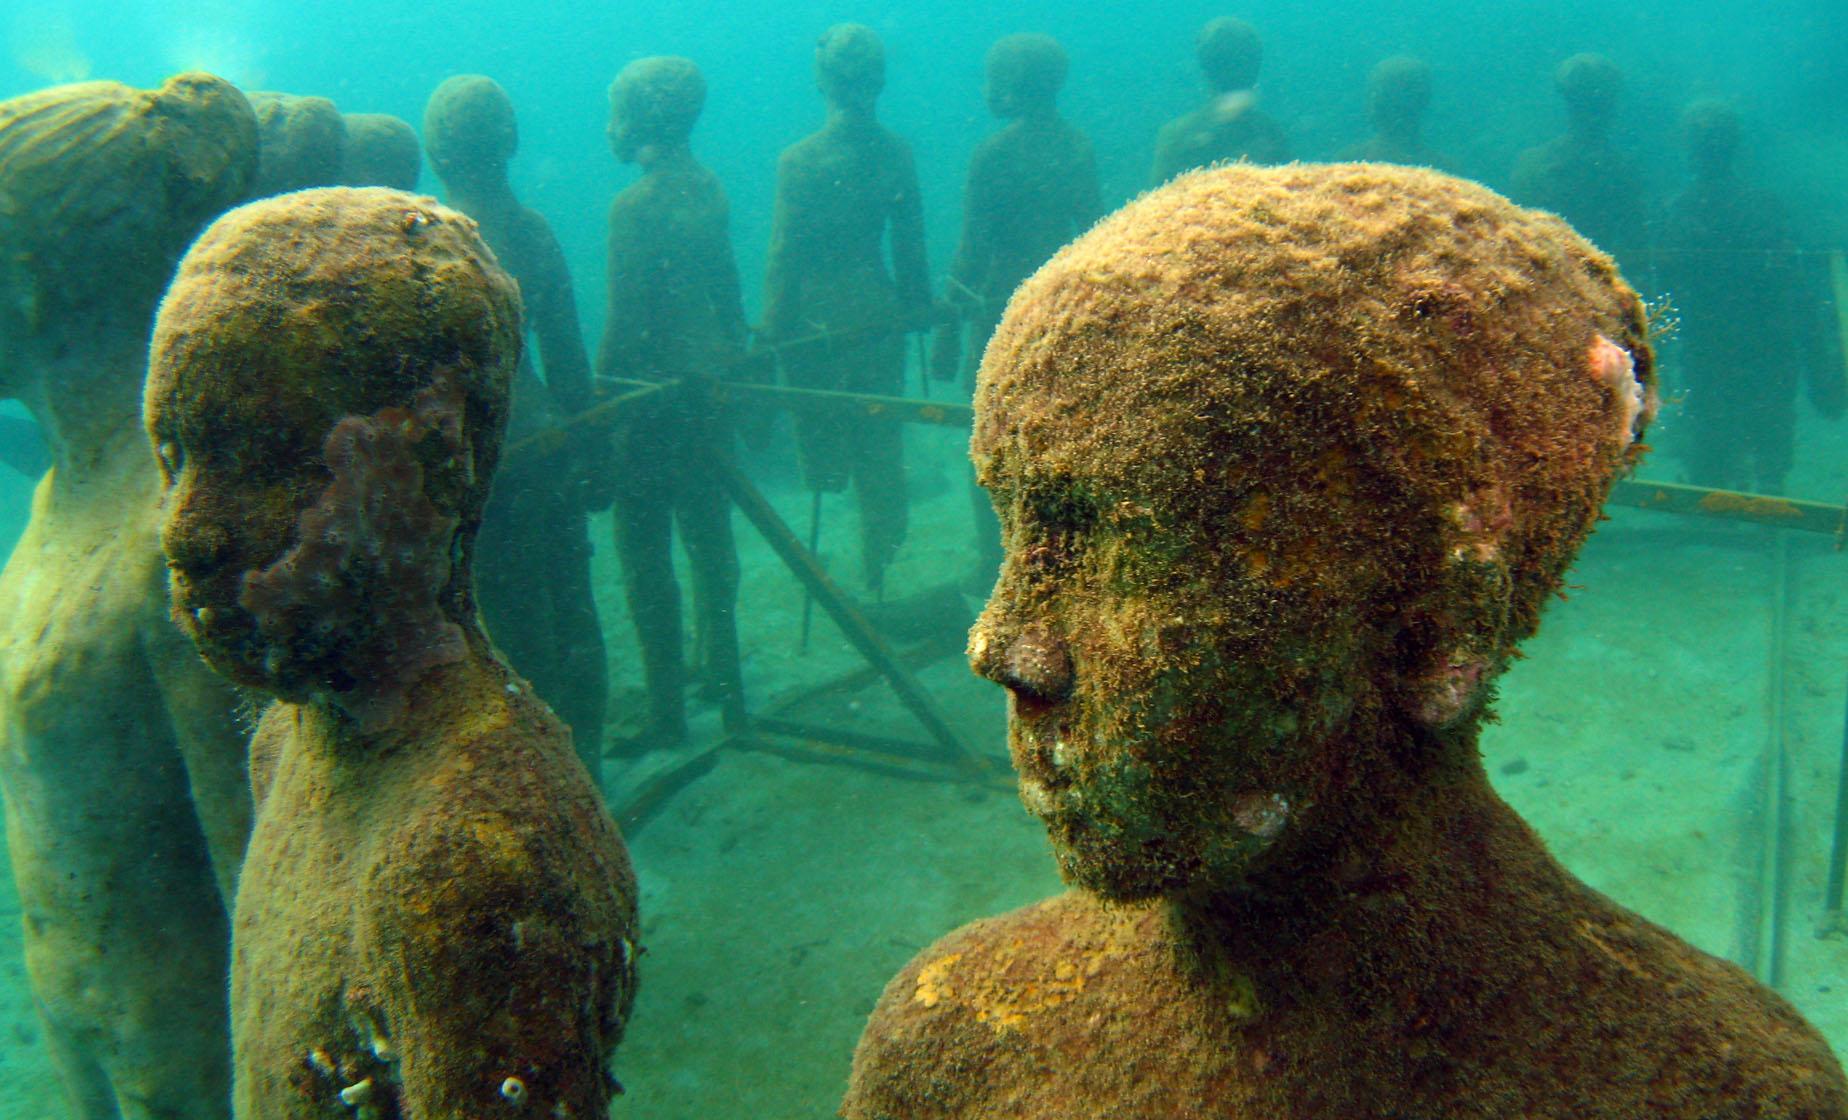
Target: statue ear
(1456,639)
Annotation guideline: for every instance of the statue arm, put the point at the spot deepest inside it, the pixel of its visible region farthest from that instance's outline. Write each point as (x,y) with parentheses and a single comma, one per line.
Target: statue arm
(625,309)
(551,310)
(202,710)
(908,266)
(780,298)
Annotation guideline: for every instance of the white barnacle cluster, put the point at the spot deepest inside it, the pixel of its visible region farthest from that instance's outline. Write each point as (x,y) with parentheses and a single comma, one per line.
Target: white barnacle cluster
(1614,368)
(1263,815)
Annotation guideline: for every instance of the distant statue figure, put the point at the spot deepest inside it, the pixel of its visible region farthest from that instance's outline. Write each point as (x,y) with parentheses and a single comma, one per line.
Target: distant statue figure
(1274,529)
(301,143)
(436,917)
(1583,176)
(1032,187)
(1750,328)
(841,193)
(533,559)
(381,151)
(674,316)
(121,756)
(1230,126)
(1398,95)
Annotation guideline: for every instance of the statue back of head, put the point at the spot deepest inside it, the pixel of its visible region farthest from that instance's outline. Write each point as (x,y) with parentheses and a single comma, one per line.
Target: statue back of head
(1230,54)
(850,66)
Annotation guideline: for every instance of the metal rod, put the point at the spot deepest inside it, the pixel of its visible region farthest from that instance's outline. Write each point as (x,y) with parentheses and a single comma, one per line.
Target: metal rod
(814,547)
(1730,505)
(1834,921)
(853,624)
(1772,900)
(550,441)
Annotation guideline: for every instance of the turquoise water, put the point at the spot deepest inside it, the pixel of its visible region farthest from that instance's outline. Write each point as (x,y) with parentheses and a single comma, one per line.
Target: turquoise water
(780,889)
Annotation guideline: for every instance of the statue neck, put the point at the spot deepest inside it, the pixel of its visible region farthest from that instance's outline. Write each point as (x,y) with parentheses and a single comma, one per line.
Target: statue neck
(1431,855)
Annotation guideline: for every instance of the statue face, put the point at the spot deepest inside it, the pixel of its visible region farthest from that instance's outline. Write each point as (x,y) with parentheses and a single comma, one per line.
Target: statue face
(234,486)
(1174,710)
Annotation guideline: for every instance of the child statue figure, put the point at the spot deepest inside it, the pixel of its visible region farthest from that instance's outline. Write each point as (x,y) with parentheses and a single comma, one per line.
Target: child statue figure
(437,916)
(1288,460)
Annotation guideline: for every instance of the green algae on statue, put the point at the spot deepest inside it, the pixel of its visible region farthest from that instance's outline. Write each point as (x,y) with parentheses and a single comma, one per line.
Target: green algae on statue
(436,917)
(841,193)
(673,315)
(121,758)
(1288,461)
(532,567)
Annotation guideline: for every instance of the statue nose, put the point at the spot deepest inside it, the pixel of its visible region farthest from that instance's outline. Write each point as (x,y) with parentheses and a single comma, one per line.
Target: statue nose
(1032,662)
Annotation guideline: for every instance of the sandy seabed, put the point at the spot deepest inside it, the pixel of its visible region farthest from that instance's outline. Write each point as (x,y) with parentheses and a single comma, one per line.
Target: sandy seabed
(780,894)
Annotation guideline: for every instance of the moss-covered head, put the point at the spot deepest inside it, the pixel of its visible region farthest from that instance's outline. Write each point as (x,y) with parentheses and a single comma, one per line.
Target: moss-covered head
(101,188)
(328,390)
(1230,54)
(850,66)
(1398,93)
(469,128)
(1710,129)
(1025,75)
(302,143)
(381,151)
(654,104)
(1287,461)
(1589,84)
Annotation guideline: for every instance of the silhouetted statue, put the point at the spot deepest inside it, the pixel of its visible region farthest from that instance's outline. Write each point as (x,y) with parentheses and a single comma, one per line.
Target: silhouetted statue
(1398,94)
(674,316)
(1749,323)
(1230,126)
(1032,187)
(840,192)
(1583,176)
(532,564)
(1274,528)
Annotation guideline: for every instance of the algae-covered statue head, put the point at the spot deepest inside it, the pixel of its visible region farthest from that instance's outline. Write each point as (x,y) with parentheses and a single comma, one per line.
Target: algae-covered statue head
(1025,74)
(850,66)
(654,103)
(327,395)
(469,128)
(1287,461)
(101,188)
(1230,54)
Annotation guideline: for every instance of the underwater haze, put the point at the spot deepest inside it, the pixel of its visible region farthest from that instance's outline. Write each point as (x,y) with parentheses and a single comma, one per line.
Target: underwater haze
(1674,733)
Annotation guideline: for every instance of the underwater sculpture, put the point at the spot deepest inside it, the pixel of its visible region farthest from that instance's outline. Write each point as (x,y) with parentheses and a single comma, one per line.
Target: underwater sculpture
(532,561)
(1230,126)
(1032,187)
(1582,175)
(301,143)
(673,315)
(121,758)
(1288,461)
(841,192)
(1398,94)
(381,151)
(1742,291)
(436,917)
